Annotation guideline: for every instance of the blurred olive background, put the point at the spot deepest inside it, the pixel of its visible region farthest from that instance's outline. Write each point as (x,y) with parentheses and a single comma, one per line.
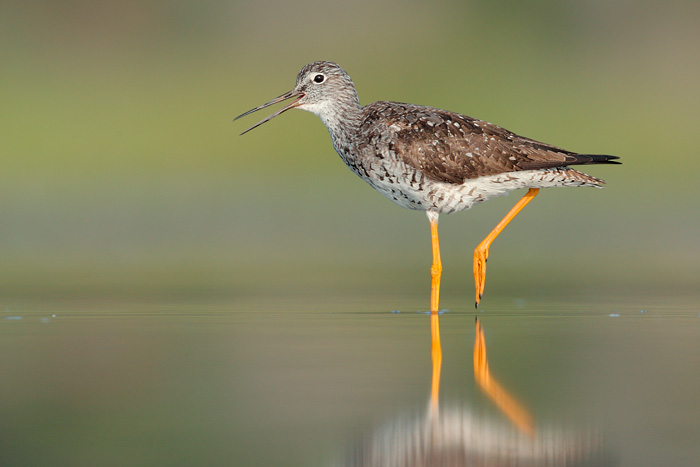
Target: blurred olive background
(123,177)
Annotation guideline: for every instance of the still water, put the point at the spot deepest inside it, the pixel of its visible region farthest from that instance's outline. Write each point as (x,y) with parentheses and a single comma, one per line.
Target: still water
(519,382)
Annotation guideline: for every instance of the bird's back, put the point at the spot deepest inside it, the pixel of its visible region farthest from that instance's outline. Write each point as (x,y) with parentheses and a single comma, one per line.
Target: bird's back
(452,148)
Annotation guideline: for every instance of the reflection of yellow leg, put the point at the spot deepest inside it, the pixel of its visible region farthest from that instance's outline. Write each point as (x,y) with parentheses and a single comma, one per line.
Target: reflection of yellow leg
(436,269)
(498,394)
(481,253)
(436,355)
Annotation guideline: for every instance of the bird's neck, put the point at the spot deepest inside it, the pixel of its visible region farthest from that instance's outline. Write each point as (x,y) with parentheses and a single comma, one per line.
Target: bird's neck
(342,120)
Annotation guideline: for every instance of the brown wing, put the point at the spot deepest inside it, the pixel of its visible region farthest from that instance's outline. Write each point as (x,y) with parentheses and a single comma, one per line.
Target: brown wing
(451,148)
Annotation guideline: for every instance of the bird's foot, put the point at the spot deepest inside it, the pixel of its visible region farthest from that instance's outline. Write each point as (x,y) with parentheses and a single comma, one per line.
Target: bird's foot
(480,257)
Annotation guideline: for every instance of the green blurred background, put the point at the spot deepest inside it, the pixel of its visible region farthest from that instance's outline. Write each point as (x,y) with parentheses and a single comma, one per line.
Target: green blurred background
(123,178)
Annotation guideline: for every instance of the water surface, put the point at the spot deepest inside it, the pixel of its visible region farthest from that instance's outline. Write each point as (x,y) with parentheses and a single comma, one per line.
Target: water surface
(204,383)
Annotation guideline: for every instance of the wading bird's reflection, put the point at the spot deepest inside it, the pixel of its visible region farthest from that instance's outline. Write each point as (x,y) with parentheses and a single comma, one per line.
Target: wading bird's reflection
(515,412)
(455,435)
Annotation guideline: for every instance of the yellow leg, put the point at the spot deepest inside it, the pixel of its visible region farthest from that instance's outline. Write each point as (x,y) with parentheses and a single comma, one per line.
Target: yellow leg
(481,253)
(436,269)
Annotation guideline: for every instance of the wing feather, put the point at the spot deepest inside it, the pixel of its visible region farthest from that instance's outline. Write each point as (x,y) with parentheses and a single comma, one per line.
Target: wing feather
(449,147)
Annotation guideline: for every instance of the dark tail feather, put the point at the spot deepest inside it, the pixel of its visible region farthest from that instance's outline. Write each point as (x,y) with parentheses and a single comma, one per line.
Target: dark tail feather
(570,159)
(586,159)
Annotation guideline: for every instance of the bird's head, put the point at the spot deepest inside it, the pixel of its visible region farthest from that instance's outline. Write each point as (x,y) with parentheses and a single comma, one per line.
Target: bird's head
(322,88)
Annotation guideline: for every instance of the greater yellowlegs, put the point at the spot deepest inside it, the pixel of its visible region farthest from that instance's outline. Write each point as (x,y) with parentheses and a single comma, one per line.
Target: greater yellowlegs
(429,159)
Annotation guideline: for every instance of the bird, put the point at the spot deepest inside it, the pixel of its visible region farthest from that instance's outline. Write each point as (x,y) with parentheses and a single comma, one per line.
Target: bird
(431,160)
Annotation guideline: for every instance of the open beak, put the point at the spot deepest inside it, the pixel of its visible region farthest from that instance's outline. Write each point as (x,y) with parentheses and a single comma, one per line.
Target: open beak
(283,97)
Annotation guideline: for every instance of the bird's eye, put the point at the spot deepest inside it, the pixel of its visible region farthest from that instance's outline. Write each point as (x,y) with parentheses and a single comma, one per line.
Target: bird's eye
(319,78)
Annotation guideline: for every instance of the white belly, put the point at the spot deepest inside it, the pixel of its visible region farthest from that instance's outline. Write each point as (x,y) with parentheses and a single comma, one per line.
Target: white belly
(446,198)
